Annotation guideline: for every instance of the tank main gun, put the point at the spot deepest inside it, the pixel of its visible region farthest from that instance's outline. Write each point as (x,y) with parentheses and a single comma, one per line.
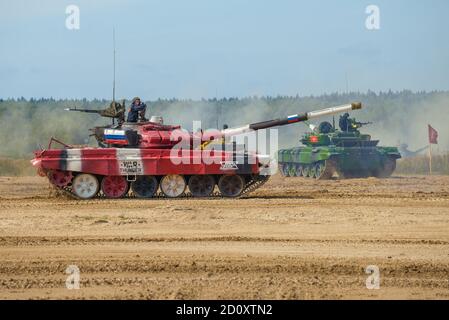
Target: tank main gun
(209,137)
(292,119)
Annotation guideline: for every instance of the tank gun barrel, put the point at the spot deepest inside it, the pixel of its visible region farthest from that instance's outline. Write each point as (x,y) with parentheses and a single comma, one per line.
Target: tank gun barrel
(115,111)
(292,119)
(83,110)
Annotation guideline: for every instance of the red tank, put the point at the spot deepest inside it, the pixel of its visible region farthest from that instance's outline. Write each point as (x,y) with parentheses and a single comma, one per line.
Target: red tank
(148,157)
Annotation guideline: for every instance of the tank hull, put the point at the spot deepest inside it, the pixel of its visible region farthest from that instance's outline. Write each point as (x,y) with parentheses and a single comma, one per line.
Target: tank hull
(112,172)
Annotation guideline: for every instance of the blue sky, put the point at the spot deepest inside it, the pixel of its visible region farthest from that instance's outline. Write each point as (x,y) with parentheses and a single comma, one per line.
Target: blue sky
(208,48)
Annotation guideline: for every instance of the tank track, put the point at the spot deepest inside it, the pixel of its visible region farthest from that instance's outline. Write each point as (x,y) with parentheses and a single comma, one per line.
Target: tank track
(255,183)
(330,167)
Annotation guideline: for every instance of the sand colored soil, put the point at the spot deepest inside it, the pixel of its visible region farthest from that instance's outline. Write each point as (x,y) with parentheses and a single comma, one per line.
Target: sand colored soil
(291,239)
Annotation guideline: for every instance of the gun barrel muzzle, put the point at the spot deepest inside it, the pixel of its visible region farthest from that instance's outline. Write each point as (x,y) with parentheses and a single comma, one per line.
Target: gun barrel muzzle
(356,105)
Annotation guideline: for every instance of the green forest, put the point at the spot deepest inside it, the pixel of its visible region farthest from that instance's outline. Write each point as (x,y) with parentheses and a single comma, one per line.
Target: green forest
(398,117)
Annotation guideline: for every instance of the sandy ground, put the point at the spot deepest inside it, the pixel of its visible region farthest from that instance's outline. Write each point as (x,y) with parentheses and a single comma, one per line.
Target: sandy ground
(292,239)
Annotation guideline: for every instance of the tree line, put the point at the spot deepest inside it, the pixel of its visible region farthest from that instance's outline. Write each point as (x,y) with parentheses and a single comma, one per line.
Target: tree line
(401,116)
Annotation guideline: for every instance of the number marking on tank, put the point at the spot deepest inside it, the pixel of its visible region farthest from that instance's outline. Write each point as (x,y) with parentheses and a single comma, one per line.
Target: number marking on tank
(131,167)
(228,165)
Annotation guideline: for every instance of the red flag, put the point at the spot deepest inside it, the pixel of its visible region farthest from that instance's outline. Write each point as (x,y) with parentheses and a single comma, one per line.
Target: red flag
(433,135)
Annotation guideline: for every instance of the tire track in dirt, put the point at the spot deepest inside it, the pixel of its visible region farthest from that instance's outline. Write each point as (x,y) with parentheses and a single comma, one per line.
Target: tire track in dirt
(292,239)
(51,241)
(190,277)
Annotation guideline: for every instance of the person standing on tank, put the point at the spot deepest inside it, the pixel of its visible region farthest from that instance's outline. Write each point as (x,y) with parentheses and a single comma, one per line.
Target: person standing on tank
(137,111)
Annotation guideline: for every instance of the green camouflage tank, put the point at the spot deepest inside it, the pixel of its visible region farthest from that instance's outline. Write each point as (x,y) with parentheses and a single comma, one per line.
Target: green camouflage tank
(346,152)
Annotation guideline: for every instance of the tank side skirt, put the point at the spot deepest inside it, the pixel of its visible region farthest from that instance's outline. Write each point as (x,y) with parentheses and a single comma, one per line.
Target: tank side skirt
(124,161)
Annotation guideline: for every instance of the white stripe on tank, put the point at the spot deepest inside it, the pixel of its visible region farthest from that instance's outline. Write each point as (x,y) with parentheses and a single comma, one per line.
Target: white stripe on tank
(128,154)
(73,160)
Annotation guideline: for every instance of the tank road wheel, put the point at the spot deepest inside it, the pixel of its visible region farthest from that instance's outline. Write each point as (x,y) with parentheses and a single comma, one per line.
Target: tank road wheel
(231,186)
(318,169)
(324,170)
(292,172)
(282,169)
(329,166)
(85,186)
(387,169)
(114,186)
(201,185)
(299,170)
(173,185)
(60,178)
(306,171)
(312,171)
(145,186)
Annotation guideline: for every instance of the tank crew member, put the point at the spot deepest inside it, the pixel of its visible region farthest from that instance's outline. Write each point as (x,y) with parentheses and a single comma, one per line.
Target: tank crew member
(137,111)
(347,124)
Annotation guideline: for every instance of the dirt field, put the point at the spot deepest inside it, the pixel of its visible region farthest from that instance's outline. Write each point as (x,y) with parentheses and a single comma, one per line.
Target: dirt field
(292,239)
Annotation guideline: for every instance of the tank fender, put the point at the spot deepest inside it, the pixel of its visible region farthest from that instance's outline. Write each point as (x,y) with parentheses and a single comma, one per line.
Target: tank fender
(390,151)
(334,154)
(395,155)
(322,155)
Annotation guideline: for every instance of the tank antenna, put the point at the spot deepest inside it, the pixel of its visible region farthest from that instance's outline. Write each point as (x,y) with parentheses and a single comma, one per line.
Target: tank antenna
(113,81)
